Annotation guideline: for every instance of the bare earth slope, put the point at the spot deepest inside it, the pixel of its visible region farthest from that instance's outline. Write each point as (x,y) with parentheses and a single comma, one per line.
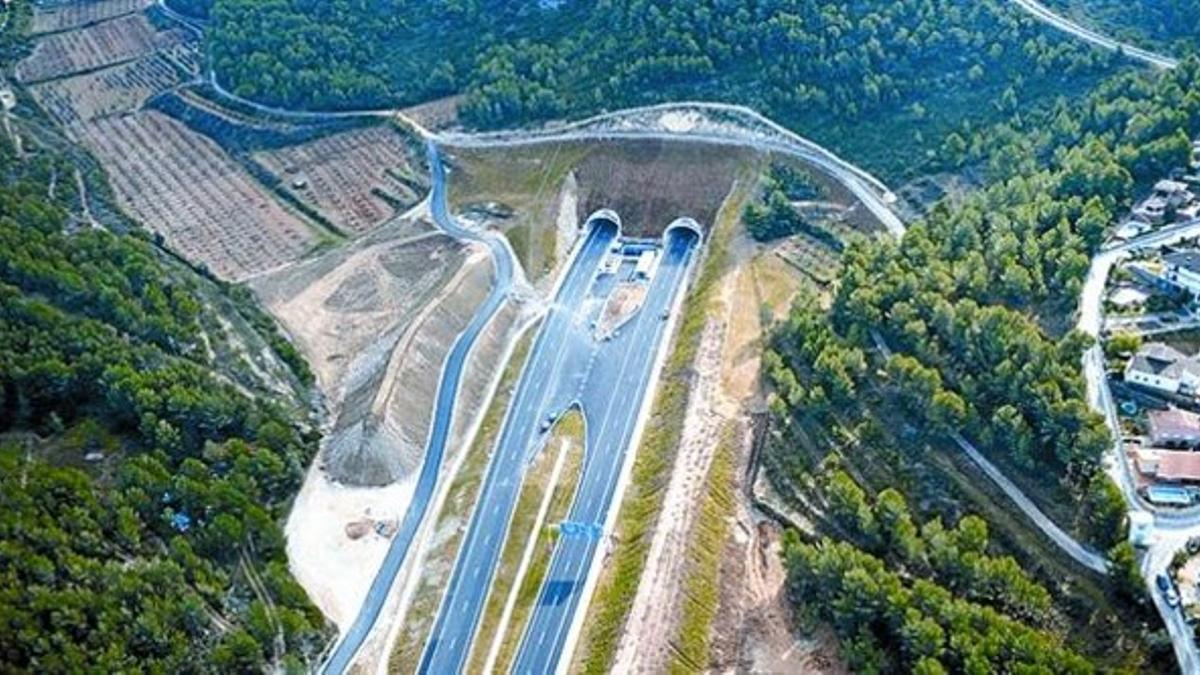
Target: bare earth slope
(375,320)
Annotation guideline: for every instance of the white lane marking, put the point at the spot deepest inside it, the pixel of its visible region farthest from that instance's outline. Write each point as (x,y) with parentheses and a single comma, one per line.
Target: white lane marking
(511,423)
(674,288)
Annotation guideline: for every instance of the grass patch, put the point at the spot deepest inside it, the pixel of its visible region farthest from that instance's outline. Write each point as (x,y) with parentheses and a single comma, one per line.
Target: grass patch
(526,180)
(518,238)
(702,593)
(570,426)
(406,655)
(643,499)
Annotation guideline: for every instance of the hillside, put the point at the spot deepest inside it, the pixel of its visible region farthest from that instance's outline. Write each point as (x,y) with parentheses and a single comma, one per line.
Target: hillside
(153,430)
(849,74)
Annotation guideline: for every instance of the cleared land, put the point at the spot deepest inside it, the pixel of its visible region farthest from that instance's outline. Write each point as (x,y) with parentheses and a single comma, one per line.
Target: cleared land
(112,91)
(537,193)
(356,179)
(375,320)
(54,18)
(520,191)
(96,46)
(184,187)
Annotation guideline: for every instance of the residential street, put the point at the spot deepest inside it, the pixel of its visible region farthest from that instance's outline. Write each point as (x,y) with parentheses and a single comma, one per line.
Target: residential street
(1171,530)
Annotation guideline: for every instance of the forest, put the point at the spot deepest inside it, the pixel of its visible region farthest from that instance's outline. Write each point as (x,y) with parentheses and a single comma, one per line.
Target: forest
(959,327)
(1168,27)
(922,599)
(909,70)
(142,488)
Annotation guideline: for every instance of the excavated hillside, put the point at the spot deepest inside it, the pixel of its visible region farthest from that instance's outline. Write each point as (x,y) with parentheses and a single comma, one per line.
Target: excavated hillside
(376,320)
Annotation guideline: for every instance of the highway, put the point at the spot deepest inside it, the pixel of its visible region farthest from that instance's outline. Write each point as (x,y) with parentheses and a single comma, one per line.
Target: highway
(613,398)
(559,354)
(608,381)
(1048,16)
(443,414)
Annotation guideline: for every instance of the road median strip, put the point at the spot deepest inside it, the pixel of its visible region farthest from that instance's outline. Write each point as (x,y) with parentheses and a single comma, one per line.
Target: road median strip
(456,511)
(638,514)
(526,555)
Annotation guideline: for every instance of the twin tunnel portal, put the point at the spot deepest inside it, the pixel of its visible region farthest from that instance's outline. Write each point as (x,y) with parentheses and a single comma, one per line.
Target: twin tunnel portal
(598,349)
(601,360)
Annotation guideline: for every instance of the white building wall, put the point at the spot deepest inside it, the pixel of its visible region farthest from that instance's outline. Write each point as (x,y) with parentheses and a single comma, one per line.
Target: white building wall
(1166,384)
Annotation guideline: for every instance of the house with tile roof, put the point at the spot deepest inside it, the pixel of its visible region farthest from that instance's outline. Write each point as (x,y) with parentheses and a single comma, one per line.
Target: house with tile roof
(1163,368)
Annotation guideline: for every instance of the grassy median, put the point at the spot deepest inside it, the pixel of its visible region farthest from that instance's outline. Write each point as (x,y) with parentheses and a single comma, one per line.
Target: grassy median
(570,430)
(455,513)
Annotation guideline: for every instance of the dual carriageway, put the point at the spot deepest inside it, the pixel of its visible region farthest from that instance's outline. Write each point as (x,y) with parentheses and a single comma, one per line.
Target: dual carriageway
(607,377)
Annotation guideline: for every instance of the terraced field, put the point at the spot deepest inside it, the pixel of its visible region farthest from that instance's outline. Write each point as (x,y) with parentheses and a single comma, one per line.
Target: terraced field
(51,19)
(96,46)
(184,187)
(357,179)
(111,91)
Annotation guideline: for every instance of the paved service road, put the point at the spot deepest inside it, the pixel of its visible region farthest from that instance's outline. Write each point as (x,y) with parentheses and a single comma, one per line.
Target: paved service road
(612,399)
(443,413)
(1172,527)
(556,352)
(1047,16)
(1080,553)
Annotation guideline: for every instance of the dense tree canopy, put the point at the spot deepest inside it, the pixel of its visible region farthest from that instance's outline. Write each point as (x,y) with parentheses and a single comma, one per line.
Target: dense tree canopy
(960,299)
(897,593)
(958,327)
(162,551)
(821,67)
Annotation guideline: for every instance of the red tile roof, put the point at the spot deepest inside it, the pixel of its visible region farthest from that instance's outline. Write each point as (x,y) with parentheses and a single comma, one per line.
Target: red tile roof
(1179,465)
(1174,423)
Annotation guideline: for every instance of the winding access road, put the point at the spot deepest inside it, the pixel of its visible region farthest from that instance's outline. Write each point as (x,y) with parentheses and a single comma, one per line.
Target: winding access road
(1050,17)
(443,414)
(1172,528)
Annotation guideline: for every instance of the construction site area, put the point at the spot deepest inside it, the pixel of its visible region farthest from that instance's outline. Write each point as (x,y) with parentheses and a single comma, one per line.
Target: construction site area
(330,222)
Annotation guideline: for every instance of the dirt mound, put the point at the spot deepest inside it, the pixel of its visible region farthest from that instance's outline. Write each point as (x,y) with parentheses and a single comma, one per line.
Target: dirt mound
(376,320)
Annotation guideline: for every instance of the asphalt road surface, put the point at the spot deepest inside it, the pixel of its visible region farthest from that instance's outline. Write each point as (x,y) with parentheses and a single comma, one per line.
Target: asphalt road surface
(538,393)
(443,413)
(1049,17)
(569,366)
(612,399)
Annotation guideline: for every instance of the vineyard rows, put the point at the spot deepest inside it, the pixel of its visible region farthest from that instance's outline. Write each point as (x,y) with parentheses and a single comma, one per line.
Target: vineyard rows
(94,47)
(183,186)
(342,175)
(111,91)
(48,19)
